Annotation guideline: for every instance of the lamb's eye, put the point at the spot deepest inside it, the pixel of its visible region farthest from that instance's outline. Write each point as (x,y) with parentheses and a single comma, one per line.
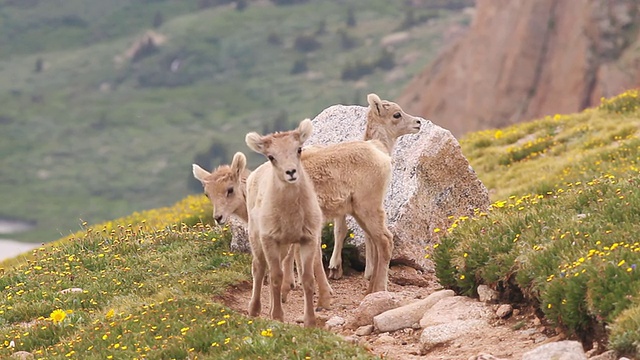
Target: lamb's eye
(299,150)
(230,191)
(397,115)
(207,195)
(271,158)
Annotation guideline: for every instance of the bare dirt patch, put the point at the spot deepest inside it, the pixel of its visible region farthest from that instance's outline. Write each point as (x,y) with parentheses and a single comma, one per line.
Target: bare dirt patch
(504,339)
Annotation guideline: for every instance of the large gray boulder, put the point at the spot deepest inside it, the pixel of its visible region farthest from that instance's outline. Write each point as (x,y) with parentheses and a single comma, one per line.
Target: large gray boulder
(431,181)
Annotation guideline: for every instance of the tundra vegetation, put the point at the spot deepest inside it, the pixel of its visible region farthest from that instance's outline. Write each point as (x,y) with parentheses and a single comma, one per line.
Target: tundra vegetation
(149,280)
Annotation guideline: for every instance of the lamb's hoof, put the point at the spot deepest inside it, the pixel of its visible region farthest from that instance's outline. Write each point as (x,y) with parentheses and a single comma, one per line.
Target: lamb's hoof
(335,274)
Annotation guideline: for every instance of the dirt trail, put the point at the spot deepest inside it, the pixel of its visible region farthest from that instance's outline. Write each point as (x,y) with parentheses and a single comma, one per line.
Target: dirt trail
(504,339)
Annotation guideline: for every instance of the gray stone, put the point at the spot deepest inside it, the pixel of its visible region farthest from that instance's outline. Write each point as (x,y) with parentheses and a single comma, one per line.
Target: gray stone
(334,321)
(456,308)
(364,330)
(443,333)
(487,294)
(561,350)
(504,310)
(406,316)
(385,339)
(431,181)
(22,355)
(372,305)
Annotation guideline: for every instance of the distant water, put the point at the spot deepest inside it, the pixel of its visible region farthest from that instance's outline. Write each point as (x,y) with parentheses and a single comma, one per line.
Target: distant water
(11,248)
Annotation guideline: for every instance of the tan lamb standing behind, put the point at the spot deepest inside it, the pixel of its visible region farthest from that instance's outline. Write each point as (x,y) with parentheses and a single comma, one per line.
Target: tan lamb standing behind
(283,210)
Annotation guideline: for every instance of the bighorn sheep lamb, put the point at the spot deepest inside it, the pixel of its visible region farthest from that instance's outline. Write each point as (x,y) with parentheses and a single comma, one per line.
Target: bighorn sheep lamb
(283,210)
(226,188)
(349,178)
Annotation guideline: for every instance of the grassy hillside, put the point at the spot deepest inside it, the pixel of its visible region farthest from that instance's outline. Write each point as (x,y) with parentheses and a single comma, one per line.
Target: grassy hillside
(89,133)
(566,245)
(562,234)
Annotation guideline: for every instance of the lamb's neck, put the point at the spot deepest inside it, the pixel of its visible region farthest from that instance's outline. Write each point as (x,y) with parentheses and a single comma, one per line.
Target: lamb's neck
(378,133)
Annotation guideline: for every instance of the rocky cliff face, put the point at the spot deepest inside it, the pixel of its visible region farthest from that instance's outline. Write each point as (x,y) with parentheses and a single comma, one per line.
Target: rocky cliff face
(522,60)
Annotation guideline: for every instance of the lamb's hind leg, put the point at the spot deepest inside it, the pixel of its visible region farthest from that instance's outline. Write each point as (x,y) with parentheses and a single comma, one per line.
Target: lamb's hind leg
(373,222)
(289,281)
(339,233)
(371,257)
(324,288)
(308,254)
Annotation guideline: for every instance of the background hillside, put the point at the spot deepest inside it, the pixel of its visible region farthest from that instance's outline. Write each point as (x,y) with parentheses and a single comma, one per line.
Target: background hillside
(104,104)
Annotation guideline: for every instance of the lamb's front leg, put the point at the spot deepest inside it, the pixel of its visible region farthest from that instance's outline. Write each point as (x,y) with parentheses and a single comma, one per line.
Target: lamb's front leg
(370,257)
(274,253)
(308,251)
(339,233)
(324,288)
(258,270)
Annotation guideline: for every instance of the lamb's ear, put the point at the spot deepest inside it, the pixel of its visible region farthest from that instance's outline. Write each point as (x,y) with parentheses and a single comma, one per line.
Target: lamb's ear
(200,173)
(305,129)
(238,164)
(254,142)
(375,103)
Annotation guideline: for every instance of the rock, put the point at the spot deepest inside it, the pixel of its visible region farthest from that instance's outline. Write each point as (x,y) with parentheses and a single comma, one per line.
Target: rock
(22,355)
(405,275)
(239,237)
(70,290)
(431,181)
(372,305)
(484,357)
(385,339)
(607,355)
(561,350)
(487,294)
(406,316)
(440,334)
(504,310)
(334,321)
(456,308)
(539,58)
(364,330)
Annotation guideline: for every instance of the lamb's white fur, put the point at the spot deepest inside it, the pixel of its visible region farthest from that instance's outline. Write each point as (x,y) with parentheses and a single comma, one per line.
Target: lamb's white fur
(283,210)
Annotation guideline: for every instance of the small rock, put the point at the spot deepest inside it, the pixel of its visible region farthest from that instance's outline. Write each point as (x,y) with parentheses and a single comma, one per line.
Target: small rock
(22,355)
(516,312)
(504,310)
(456,308)
(416,326)
(624,358)
(539,339)
(405,316)
(561,350)
(487,294)
(71,290)
(406,275)
(529,332)
(334,321)
(484,357)
(351,339)
(385,339)
(439,334)
(364,330)
(536,321)
(581,216)
(372,305)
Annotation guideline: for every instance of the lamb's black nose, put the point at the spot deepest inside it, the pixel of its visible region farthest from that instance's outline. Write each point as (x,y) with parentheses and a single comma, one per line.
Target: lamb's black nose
(218,219)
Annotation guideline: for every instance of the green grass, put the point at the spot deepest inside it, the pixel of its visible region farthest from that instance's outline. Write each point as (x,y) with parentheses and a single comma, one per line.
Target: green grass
(71,152)
(149,288)
(561,234)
